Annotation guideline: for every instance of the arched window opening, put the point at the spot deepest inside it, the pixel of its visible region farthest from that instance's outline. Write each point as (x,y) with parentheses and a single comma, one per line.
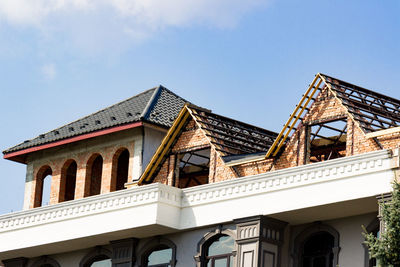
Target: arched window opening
(99,261)
(317,250)
(160,257)
(219,252)
(158,252)
(99,257)
(122,170)
(94,172)
(43,186)
(317,246)
(69,180)
(45,261)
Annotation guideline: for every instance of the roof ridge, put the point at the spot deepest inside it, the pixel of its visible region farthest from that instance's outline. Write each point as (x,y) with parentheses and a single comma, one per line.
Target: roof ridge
(150,104)
(103,109)
(171,92)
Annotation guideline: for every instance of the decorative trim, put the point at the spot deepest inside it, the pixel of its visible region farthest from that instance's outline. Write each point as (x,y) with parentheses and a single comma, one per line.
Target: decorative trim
(210,237)
(308,232)
(123,251)
(314,173)
(98,251)
(133,197)
(153,244)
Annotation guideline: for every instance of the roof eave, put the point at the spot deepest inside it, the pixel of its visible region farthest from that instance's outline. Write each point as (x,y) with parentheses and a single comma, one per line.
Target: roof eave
(20,155)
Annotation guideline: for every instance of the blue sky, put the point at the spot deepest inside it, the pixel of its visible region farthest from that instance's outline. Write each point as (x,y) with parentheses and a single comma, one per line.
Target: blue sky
(250,60)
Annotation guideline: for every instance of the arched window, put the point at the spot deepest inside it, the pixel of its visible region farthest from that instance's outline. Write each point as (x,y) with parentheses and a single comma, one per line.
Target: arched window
(159,252)
(68,180)
(99,257)
(43,186)
(216,249)
(120,169)
(45,261)
(317,246)
(219,251)
(94,172)
(317,250)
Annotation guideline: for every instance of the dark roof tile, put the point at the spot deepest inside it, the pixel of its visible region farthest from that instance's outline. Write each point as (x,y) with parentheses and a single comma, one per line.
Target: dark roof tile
(159,101)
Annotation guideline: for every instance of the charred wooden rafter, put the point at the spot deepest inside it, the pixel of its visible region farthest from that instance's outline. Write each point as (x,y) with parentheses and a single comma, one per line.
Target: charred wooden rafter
(374,111)
(232,137)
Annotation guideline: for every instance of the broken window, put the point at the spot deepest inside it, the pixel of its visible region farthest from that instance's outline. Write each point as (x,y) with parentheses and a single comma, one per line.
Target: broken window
(194,167)
(327,140)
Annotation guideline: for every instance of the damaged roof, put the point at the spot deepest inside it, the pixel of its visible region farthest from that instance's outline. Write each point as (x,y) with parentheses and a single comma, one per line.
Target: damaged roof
(372,111)
(158,106)
(228,136)
(232,137)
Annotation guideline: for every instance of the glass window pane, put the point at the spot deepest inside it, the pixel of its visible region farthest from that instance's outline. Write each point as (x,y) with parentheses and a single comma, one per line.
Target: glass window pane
(221,262)
(160,256)
(101,263)
(223,245)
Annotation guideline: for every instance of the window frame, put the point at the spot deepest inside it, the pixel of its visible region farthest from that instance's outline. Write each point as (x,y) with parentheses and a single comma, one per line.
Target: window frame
(93,254)
(153,245)
(203,245)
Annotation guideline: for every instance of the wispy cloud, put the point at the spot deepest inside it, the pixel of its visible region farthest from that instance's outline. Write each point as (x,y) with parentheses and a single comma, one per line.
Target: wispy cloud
(94,22)
(49,71)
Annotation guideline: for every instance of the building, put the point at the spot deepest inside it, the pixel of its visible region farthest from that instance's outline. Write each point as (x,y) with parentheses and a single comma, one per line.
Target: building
(214,191)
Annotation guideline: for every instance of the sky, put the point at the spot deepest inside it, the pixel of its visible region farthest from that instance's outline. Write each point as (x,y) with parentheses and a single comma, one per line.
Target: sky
(250,60)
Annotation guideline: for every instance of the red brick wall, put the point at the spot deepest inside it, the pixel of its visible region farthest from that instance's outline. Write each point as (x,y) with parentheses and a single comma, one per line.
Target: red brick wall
(81,156)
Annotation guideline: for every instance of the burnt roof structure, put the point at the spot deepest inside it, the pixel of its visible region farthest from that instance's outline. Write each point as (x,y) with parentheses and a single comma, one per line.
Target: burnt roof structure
(228,136)
(370,110)
(158,106)
(232,137)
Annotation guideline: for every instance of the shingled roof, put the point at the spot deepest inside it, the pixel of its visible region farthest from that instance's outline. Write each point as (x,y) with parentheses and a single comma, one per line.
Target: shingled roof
(158,106)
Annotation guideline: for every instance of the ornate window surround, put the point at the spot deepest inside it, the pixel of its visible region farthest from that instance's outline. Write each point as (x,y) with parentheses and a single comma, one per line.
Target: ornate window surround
(309,231)
(208,237)
(154,243)
(45,260)
(98,251)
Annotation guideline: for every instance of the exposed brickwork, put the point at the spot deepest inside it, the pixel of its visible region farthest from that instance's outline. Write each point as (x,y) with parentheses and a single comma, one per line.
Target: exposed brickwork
(166,171)
(256,167)
(83,155)
(191,137)
(222,172)
(325,107)
(390,141)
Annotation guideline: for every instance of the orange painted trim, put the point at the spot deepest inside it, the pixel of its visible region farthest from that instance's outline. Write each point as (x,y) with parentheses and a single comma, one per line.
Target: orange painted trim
(73,139)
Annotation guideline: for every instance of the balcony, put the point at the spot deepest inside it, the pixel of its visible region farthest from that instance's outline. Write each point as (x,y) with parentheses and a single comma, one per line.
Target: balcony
(341,187)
